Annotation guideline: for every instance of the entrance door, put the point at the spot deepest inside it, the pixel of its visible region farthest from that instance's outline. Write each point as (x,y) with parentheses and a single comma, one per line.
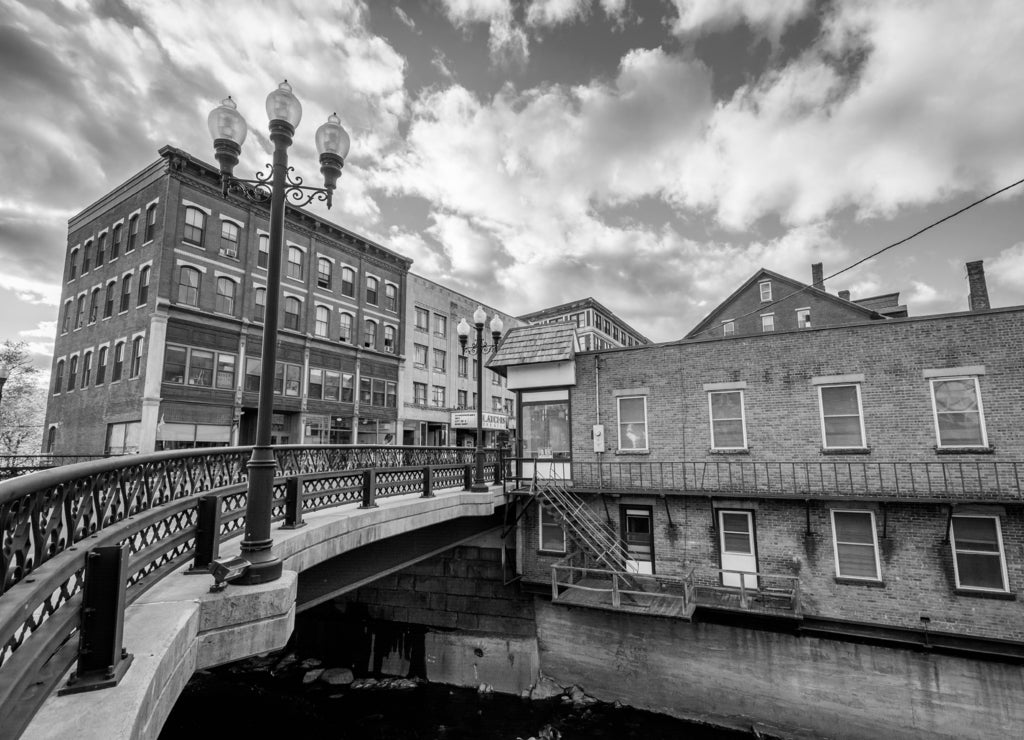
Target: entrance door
(639,538)
(736,533)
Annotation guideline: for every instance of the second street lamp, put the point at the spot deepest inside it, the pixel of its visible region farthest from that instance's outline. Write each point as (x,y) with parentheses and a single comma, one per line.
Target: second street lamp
(228,129)
(481,350)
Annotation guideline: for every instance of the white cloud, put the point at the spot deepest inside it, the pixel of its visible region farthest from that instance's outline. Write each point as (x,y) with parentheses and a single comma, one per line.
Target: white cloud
(770,17)
(464,12)
(31,290)
(507,42)
(922,294)
(404,18)
(43,330)
(1007,271)
(556,12)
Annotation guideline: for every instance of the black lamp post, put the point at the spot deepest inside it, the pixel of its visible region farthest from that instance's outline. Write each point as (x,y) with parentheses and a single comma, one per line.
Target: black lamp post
(481,350)
(5,373)
(228,129)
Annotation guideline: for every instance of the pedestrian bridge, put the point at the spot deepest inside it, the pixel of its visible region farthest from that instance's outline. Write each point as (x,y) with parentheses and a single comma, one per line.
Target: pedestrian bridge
(346,515)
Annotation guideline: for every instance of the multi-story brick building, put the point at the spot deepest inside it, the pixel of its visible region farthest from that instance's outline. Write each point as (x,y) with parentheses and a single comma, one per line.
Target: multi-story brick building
(596,326)
(158,340)
(867,476)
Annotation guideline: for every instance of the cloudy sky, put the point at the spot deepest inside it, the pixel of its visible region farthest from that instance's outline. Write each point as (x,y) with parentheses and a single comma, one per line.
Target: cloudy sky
(649,153)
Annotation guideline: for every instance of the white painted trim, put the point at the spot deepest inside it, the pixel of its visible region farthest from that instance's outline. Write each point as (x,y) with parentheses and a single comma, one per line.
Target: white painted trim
(618,424)
(1002,553)
(182,263)
(837,379)
(981,414)
(738,385)
(234,221)
(155,201)
(948,372)
(743,419)
(297,245)
(296,296)
(874,541)
(233,278)
(860,415)
(209,260)
(190,204)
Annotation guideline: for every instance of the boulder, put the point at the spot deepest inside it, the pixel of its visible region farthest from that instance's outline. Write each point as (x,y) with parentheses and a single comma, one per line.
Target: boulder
(545,688)
(337,676)
(313,675)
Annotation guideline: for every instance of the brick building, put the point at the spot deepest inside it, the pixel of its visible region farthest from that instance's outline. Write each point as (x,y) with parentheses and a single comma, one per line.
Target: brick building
(866,477)
(596,326)
(159,335)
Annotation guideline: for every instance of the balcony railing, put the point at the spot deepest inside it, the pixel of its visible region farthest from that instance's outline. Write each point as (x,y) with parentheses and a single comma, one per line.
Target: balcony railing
(946,480)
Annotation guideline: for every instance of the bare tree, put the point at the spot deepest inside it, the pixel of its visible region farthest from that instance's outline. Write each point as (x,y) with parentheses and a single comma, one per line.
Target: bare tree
(23,406)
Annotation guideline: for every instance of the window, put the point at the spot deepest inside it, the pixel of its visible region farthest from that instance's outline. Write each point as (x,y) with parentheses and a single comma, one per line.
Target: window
(115,373)
(803,318)
(188,286)
(126,293)
(86,257)
(228,238)
(422,316)
(440,325)
(72,372)
(463,399)
(115,242)
(463,365)
(370,334)
(856,545)
(364,390)
(371,290)
(253,371)
(108,300)
(225,302)
(728,427)
(58,377)
(345,331)
(133,234)
(80,312)
(51,439)
(378,392)
(495,378)
(292,378)
(391,397)
(295,259)
(390,297)
(101,366)
(767,322)
(195,226)
(419,393)
(419,354)
(438,396)
(122,438)
(389,339)
(175,361)
(977,543)
(842,423)
(136,362)
(322,321)
(348,282)
(766,290)
(94,305)
(323,273)
(101,249)
(315,385)
(66,323)
(728,327)
(545,429)
(143,286)
(86,369)
(73,264)
(348,387)
(225,371)
(150,223)
(259,310)
(510,407)
(440,357)
(332,385)
(263,251)
(552,536)
(632,422)
(292,308)
(496,404)
(959,419)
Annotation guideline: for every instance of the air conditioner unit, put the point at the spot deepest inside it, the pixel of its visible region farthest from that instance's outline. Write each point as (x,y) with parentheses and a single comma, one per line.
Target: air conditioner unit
(232,253)
(342,338)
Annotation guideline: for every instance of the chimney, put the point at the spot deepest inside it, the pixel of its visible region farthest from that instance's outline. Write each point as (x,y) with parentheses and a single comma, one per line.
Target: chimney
(844,294)
(978,298)
(818,275)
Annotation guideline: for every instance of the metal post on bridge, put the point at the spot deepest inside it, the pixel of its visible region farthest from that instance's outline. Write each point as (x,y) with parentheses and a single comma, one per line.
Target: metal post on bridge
(293,503)
(428,482)
(369,489)
(207,534)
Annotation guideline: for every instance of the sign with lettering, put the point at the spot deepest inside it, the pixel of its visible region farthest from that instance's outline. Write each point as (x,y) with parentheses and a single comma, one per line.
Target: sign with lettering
(467,420)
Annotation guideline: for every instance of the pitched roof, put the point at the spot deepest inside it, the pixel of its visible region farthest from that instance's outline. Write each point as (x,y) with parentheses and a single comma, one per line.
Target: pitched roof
(526,345)
(795,284)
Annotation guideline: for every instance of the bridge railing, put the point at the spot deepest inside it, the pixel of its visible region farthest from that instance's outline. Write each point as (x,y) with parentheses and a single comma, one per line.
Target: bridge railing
(14,465)
(153,506)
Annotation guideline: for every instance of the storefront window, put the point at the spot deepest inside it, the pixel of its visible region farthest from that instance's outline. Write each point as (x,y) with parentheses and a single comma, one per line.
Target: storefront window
(546,430)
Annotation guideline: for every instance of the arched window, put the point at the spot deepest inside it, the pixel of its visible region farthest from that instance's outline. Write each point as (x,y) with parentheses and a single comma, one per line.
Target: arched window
(150,222)
(94,305)
(228,239)
(195,226)
(390,297)
(86,257)
(348,282)
(80,312)
(345,331)
(86,369)
(292,309)
(73,264)
(370,334)
(115,242)
(295,258)
(323,273)
(389,339)
(225,295)
(259,312)
(108,300)
(101,366)
(133,234)
(143,286)
(72,372)
(136,364)
(322,327)
(126,293)
(58,377)
(188,286)
(66,324)
(101,249)
(371,290)
(51,439)
(263,254)
(115,373)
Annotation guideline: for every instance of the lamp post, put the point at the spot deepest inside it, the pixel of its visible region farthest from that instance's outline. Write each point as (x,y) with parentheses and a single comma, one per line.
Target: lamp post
(5,373)
(228,129)
(480,349)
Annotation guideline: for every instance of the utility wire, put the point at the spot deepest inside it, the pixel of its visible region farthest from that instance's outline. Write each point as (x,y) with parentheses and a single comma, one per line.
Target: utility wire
(904,240)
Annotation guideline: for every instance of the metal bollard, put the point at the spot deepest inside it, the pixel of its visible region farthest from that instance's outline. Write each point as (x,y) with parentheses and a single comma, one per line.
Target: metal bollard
(369,489)
(293,503)
(207,534)
(428,482)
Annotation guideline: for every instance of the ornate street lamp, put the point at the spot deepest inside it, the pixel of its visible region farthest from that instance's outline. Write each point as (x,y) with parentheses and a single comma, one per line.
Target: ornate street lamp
(480,349)
(228,129)
(5,373)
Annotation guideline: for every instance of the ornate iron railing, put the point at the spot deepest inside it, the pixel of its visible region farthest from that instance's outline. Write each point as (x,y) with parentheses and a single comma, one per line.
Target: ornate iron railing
(150,504)
(945,480)
(14,465)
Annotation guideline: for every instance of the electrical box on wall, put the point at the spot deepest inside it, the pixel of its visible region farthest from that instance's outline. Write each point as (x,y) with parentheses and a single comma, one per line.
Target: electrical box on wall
(598,438)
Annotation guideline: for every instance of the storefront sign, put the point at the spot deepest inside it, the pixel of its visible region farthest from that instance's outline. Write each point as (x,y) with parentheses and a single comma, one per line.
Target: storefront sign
(467,420)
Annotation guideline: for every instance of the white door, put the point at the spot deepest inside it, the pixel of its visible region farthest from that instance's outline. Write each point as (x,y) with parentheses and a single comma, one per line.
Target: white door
(736,532)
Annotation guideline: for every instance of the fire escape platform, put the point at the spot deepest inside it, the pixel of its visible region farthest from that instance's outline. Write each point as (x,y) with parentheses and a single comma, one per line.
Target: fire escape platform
(596,594)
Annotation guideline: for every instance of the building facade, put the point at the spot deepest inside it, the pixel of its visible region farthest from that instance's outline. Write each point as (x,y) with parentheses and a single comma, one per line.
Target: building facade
(438,387)
(160,330)
(596,326)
